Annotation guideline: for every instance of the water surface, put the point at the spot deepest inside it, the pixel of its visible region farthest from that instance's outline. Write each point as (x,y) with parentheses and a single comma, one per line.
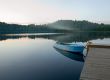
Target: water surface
(33,57)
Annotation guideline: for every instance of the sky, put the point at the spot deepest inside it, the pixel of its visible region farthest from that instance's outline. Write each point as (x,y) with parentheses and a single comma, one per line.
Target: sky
(47,11)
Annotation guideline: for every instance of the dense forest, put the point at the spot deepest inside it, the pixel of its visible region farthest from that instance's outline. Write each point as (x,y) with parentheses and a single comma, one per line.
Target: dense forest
(58,26)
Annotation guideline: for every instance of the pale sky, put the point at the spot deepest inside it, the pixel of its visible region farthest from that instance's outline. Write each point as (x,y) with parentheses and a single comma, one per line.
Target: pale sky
(46,11)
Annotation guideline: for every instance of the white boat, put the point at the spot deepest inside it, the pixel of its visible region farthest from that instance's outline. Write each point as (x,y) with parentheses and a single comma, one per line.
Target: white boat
(71,47)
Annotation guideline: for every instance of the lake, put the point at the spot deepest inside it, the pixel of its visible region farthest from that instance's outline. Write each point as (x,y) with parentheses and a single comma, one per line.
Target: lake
(33,57)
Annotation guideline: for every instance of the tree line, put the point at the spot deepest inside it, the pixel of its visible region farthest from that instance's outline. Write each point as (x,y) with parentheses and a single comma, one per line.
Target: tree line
(58,26)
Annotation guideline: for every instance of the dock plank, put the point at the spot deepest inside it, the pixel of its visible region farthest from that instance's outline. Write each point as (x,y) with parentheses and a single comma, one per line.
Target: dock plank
(97,65)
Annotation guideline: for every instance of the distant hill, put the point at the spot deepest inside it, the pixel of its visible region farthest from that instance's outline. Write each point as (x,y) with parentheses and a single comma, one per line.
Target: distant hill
(77,25)
(58,26)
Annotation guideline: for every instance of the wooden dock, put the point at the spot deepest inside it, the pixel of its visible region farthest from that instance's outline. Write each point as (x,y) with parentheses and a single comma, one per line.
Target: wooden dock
(97,63)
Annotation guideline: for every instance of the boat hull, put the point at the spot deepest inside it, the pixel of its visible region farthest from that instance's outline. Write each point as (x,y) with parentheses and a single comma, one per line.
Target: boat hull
(70,48)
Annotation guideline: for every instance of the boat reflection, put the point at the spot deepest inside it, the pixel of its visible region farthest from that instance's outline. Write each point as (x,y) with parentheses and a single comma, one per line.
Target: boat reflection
(71,55)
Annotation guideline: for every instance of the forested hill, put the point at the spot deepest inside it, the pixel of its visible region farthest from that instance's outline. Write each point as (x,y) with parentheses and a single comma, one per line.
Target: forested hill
(58,26)
(79,25)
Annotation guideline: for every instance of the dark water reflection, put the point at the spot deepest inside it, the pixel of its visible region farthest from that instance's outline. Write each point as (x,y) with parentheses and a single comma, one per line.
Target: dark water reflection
(70,37)
(71,55)
(33,57)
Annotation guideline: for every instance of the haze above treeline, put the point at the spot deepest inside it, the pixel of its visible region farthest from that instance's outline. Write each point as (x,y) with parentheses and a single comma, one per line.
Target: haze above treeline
(64,26)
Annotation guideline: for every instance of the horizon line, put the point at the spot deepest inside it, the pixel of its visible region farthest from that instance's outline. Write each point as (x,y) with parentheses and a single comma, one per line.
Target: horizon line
(43,23)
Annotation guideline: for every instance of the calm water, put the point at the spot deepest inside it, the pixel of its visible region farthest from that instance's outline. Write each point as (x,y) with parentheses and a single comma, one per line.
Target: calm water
(33,57)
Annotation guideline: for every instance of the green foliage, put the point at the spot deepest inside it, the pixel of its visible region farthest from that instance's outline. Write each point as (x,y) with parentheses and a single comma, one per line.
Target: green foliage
(58,26)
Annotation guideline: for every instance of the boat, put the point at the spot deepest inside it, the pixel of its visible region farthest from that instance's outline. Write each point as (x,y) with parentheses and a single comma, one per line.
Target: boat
(71,47)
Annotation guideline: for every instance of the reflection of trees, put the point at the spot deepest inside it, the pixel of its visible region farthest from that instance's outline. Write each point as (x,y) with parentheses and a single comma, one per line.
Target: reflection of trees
(73,37)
